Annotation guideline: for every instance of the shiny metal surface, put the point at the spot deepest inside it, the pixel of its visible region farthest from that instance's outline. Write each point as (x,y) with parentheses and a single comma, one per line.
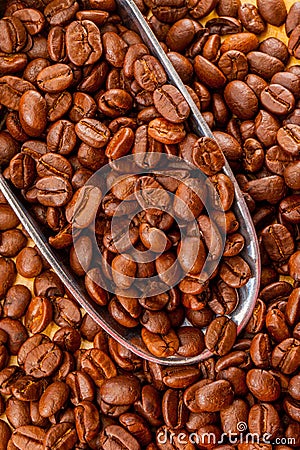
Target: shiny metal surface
(127,337)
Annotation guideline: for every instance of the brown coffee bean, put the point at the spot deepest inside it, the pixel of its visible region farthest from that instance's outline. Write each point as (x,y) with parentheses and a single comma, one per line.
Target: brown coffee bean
(114,48)
(120,390)
(98,366)
(264,121)
(251,19)
(263,385)
(285,356)
(288,137)
(208,73)
(92,132)
(87,51)
(260,351)
(14,35)
(87,421)
(160,345)
(61,436)
(207,156)
(118,436)
(264,65)
(58,13)
(278,242)
(171,104)
(5,435)
(264,418)
(235,271)
(43,360)
(272,11)
(53,399)
(277,99)
(241,99)
(38,315)
(220,391)
(53,191)
(29,263)
(220,335)
(55,78)
(33,113)
(28,389)
(17,412)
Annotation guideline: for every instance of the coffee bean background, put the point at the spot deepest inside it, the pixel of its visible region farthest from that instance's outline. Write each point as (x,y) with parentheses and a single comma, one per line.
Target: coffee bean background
(97,395)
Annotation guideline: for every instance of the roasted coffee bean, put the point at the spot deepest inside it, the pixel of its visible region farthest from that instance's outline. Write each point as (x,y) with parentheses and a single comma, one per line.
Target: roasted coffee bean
(12,242)
(83,51)
(61,436)
(272,11)
(16,301)
(119,437)
(264,65)
(38,314)
(53,399)
(27,389)
(207,156)
(277,99)
(251,19)
(208,73)
(92,132)
(263,385)
(278,242)
(285,356)
(11,90)
(29,263)
(55,79)
(288,139)
(17,412)
(87,421)
(14,35)
(53,191)
(28,437)
(33,113)
(220,335)
(241,99)
(275,47)
(43,360)
(171,104)
(114,48)
(221,392)
(58,13)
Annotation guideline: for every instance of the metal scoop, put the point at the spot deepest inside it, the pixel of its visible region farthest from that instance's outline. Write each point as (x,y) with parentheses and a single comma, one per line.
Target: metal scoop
(130,338)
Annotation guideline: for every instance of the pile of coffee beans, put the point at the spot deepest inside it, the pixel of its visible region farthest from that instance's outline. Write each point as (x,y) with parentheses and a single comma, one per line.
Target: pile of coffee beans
(78,91)
(88,92)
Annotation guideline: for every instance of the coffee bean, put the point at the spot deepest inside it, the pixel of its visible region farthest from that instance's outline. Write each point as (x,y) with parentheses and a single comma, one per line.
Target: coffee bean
(273,12)
(87,421)
(208,73)
(220,335)
(116,435)
(277,99)
(53,191)
(288,137)
(241,99)
(53,399)
(14,35)
(171,104)
(263,385)
(92,132)
(43,360)
(55,79)
(86,51)
(33,113)
(220,391)
(60,436)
